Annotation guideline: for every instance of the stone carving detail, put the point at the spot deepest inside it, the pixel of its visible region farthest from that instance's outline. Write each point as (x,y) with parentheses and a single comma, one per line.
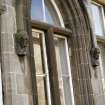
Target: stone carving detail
(21,43)
(21,37)
(2,7)
(95,56)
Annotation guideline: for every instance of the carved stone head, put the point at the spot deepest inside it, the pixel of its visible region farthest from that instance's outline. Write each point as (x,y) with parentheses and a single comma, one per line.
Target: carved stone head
(95,56)
(21,42)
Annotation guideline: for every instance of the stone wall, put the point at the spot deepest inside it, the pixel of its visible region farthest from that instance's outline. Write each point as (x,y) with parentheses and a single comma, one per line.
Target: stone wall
(16,73)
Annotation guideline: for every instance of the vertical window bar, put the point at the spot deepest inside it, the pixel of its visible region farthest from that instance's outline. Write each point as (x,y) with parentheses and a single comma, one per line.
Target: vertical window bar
(53,74)
(69,70)
(46,71)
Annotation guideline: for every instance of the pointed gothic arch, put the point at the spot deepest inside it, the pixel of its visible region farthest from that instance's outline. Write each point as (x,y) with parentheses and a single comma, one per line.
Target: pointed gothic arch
(75,20)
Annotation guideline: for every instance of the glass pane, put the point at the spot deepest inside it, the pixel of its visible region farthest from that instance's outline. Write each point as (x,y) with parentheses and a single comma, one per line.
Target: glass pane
(50,14)
(61,55)
(37,52)
(37,10)
(67,93)
(43,10)
(98,19)
(41,88)
(42,77)
(62,67)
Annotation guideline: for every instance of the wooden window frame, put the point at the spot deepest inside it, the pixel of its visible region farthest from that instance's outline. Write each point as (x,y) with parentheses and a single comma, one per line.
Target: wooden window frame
(50,31)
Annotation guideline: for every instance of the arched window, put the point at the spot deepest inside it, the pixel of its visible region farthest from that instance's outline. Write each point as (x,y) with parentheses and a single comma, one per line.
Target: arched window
(51,54)
(98,17)
(43,10)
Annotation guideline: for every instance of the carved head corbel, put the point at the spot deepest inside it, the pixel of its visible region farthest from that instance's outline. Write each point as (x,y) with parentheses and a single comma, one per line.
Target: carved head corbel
(95,52)
(21,43)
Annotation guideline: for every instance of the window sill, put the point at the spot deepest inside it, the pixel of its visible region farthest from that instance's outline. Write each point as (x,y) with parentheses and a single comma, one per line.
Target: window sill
(45,26)
(101,39)
(99,1)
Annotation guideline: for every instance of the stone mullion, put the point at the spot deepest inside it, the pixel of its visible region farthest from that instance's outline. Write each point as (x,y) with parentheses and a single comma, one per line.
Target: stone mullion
(52,65)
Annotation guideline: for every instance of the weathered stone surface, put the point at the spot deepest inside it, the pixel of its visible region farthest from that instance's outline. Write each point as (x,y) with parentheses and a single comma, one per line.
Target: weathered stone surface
(16,73)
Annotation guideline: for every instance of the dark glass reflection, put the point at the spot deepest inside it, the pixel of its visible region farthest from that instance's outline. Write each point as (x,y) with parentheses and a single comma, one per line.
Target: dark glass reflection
(37,10)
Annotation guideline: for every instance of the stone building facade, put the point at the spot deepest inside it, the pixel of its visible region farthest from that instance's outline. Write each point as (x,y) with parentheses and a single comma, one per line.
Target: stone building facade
(83,63)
